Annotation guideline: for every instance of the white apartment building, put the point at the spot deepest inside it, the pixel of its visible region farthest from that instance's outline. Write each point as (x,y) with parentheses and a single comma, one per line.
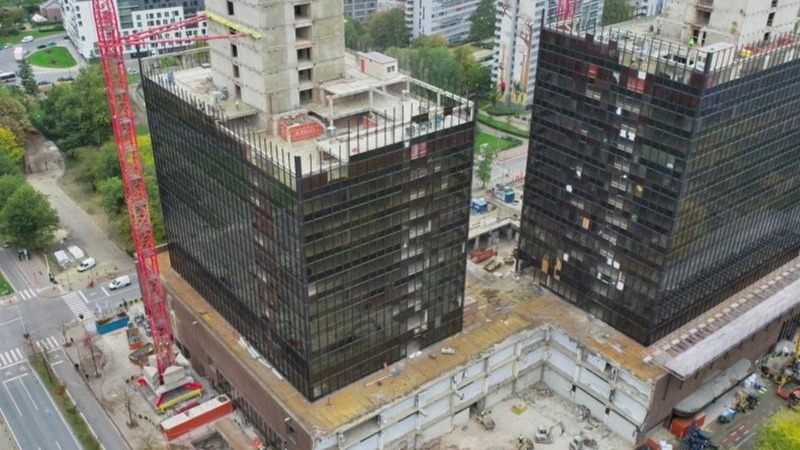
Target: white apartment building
(134,16)
(517,27)
(448,18)
(648,7)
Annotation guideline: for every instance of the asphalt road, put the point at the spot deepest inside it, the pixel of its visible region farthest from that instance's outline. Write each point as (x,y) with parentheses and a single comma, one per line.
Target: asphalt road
(30,412)
(9,64)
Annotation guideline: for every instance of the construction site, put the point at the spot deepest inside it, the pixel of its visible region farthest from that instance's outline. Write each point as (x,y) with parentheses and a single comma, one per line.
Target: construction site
(332,282)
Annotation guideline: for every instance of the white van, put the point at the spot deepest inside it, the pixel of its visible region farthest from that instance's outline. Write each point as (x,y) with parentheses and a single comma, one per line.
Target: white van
(119,282)
(86,264)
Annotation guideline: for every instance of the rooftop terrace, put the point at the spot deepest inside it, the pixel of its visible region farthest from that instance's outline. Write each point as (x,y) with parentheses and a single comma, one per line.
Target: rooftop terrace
(356,114)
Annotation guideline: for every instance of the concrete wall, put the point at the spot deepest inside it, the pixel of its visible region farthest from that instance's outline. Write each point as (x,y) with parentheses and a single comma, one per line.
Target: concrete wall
(509,367)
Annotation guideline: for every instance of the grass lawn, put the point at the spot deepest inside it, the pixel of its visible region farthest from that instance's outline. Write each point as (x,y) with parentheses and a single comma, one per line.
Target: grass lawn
(498,143)
(14,39)
(5,288)
(70,412)
(52,57)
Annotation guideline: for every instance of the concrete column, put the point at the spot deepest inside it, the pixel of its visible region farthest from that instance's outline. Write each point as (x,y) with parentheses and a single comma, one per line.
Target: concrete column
(330,110)
(371,106)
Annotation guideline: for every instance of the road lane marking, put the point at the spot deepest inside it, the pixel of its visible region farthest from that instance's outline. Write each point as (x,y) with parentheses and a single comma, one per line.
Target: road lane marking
(5,420)
(105,291)
(85,300)
(58,445)
(19,353)
(15,378)
(3,359)
(29,395)
(7,322)
(12,399)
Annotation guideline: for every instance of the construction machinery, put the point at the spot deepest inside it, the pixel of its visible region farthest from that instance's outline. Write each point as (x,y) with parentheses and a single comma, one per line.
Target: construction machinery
(166,378)
(485,418)
(524,443)
(544,435)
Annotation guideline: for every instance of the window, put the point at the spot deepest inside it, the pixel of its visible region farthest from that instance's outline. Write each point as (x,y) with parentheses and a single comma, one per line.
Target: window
(770,19)
(230,7)
(234,51)
(235,71)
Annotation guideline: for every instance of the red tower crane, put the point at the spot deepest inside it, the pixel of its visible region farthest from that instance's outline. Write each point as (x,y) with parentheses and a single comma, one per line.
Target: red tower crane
(111,44)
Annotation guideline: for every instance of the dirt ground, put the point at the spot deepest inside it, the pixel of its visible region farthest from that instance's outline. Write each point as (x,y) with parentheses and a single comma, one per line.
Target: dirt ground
(115,386)
(537,407)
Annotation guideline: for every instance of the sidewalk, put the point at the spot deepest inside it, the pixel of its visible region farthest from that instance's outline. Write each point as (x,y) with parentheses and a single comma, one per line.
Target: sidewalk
(83,231)
(94,414)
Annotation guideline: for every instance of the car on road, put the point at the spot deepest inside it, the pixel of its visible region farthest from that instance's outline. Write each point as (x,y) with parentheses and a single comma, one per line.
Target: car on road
(43,83)
(119,282)
(8,45)
(26,39)
(41,46)
(51,43)
(86,264)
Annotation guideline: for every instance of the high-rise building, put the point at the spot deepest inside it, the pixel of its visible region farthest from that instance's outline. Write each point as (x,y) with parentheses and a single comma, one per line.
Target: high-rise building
(448,18)
(318,200)
(361,10)
(517,29)
(134,16)
(662,171)
(647,7)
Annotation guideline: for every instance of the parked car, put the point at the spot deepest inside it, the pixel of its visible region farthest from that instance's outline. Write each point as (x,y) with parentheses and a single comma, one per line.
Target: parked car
(119,282)
(86,264)
(43,83)
(8,45)
(51,43)
(41,46)
(26,39)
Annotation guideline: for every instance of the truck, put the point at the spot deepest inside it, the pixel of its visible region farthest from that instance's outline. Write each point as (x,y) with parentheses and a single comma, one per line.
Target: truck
(504,193)
(19,53)
(790,391)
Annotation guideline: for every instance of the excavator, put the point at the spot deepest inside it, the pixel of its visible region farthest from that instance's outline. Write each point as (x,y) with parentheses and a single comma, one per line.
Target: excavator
(545,435)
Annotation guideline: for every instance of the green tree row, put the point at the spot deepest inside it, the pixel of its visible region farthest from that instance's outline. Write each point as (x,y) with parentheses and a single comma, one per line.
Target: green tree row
(26,218)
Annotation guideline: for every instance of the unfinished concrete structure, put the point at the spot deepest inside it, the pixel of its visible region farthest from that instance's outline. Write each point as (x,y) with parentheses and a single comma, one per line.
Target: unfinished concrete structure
(520,339)
(732,21)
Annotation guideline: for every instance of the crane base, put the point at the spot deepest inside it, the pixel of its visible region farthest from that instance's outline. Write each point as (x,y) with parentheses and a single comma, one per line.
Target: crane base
(172,391)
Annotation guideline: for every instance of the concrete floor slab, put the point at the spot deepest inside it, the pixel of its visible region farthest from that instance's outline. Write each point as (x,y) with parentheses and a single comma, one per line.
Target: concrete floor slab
(543,409)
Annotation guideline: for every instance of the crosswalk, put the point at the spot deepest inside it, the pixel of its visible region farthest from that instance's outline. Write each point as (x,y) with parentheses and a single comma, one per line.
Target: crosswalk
(77,305)
(25,294)
(16,355)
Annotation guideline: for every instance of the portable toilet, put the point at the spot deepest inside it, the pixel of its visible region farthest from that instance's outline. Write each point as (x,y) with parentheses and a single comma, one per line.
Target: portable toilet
(479,205)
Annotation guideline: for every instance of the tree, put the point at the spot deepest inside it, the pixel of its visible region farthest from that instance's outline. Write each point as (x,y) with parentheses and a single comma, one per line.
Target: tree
(112,196)
(76,114)
(616,11)
(9,145)
(8,185)
(464,55)
(11,20)
(485,156)
(8,166)
(781,432)
(436,40)
(482,21)
(26,75)
(355,34)
(27,219)
(388,29)
(479,81)
(105,164)
(14,116)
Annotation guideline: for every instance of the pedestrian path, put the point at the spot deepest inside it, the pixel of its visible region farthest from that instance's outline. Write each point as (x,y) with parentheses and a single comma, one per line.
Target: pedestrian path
(25,294)
(15,355)
(77,305)
(11,357)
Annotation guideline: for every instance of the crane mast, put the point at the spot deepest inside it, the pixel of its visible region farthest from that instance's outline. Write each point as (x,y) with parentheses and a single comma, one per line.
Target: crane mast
(112,61)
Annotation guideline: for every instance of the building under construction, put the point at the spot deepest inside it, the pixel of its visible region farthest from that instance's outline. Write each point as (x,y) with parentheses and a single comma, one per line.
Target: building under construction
(316,206)
(662,176)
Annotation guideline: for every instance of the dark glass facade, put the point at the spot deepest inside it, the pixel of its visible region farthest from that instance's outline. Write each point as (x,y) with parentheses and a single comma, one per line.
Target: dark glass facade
(329,274)
(651,198)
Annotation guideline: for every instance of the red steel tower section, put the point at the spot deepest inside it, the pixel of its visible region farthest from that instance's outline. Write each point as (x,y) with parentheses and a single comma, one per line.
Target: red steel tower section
(110,43)
(566,9)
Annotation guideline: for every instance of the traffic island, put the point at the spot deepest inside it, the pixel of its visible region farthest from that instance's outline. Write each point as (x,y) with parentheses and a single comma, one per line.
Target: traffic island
(52,58)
